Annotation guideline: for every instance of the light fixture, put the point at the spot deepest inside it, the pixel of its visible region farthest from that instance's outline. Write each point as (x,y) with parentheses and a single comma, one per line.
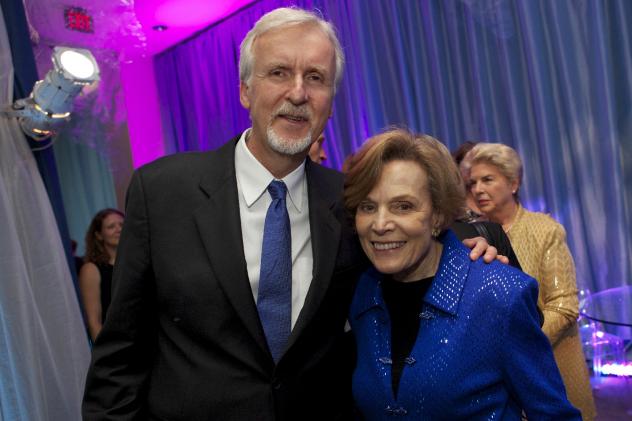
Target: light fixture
(51,101)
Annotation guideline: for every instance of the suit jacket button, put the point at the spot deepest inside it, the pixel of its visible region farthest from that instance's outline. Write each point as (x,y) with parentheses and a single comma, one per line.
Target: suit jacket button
(276,384)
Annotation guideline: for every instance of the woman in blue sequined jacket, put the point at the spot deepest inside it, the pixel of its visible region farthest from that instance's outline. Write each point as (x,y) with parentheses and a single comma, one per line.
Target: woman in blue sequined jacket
(438,336)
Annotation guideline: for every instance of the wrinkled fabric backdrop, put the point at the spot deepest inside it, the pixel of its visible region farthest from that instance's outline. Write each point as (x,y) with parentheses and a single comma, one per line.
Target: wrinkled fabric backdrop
(553,79)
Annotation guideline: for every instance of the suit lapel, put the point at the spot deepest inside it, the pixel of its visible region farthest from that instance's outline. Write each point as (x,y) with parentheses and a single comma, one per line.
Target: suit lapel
(220,229)
(325,233)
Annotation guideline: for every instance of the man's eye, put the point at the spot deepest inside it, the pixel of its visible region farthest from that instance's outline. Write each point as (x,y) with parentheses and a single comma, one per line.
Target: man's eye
(278,73)
(315,77)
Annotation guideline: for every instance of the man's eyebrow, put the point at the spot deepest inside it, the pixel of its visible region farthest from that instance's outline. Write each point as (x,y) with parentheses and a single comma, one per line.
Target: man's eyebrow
(276,64)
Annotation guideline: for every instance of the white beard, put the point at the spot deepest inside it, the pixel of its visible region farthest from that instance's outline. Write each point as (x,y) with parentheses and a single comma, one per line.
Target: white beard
(288,146)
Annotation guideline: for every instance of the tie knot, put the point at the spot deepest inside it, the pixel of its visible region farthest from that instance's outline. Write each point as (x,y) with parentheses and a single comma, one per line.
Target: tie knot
(277,190)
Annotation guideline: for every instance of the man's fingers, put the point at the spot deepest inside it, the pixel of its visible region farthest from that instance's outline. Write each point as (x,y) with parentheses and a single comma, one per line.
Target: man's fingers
(502,259)
(480,247)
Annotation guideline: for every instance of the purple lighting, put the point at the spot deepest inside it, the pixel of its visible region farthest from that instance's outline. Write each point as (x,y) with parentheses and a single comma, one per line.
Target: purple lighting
(143,112)
(197,12)
(183,17)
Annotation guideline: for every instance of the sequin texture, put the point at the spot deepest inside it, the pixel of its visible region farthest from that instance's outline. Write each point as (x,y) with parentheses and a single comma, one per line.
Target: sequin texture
(480,353)
(540,245)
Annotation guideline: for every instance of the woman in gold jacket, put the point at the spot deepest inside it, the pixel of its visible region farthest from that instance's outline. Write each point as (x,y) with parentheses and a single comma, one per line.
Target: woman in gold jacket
(494,173)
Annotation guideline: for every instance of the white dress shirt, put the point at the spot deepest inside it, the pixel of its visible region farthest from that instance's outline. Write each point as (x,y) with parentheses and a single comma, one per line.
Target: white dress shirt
(252,184)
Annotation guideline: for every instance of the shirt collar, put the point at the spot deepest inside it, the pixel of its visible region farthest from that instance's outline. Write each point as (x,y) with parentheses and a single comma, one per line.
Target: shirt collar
(254,178)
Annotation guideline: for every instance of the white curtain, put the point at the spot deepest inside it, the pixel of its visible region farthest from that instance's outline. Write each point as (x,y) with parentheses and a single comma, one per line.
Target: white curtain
(44,352)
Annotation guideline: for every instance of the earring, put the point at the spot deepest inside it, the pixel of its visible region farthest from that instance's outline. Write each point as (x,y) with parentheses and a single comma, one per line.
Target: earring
(435,232)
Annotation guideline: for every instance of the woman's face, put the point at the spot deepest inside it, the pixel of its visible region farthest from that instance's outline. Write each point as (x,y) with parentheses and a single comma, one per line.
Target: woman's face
(111,230)
(395,221)
(491,189)
(470,202)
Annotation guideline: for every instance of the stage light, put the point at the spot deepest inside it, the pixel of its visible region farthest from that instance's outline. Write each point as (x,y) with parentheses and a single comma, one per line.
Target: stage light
(51,101)
(621,370)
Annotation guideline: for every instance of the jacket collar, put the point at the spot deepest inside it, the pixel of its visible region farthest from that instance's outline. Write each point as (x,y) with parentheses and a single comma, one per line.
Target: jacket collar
(447,287)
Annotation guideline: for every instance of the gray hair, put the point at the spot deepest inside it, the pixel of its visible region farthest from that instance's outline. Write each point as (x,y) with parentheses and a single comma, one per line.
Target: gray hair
(286,16)
(503,157)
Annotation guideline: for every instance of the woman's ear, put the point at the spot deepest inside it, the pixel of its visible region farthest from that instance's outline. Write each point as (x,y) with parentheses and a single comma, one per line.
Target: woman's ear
(515,184)
(438,221)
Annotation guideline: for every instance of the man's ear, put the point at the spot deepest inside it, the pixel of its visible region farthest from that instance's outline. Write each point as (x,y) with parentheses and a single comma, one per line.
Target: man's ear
(243,95)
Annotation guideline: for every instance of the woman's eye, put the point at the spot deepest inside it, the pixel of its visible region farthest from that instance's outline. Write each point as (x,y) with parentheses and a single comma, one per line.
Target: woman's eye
(366,207)
(403,206)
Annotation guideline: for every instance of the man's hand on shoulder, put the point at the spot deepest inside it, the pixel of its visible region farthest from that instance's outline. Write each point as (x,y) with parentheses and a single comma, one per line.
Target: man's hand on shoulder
(480,247)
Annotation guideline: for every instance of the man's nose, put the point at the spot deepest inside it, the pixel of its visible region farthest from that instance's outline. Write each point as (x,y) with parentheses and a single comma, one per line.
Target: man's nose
(297,94)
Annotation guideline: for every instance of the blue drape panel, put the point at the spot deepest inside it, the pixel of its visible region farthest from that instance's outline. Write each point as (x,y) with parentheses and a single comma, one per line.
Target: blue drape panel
(551,78)
(87,185)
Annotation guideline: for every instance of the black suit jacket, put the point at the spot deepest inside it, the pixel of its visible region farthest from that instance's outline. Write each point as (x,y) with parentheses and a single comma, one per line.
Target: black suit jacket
(492,232)
(182,340)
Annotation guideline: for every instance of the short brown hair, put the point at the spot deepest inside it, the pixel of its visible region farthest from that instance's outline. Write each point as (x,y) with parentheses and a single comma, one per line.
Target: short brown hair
(444,180)
(459,153)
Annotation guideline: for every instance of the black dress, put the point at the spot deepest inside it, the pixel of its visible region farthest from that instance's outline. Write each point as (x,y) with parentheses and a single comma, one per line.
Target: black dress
(105,270)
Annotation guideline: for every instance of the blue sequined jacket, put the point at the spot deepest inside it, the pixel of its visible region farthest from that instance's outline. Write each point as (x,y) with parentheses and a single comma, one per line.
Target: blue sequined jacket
(480,353)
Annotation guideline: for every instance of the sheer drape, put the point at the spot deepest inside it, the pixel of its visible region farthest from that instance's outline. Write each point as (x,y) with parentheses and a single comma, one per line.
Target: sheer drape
(43,347)
(551,78)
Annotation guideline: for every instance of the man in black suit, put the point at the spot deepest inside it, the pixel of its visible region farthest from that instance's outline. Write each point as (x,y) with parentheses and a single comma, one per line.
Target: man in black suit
(183,339)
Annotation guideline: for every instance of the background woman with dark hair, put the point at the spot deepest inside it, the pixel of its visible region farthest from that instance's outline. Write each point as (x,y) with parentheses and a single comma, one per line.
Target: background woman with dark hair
(95,277)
